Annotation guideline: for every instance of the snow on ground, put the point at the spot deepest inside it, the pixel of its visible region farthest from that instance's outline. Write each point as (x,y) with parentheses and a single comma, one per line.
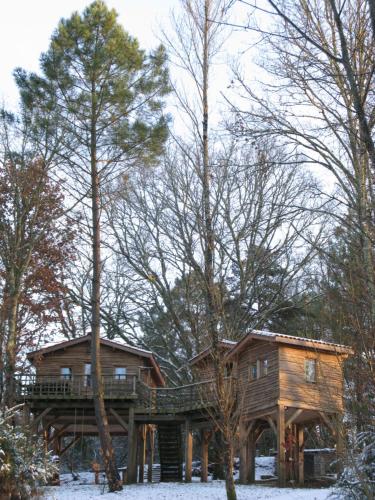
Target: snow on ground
(84,489)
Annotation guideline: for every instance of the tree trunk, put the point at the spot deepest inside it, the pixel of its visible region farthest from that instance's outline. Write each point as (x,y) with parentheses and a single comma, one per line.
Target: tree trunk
(11,350)
(228,462)
(114,483)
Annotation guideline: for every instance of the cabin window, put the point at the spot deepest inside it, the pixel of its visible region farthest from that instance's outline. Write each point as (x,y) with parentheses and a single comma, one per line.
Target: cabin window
(310,370)
(263,367)
(228,369)
(66,373)
(120,373)
(87,375)
(253,371)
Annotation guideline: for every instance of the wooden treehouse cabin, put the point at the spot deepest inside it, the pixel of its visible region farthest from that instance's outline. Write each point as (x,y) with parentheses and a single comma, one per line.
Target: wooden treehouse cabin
(280,382)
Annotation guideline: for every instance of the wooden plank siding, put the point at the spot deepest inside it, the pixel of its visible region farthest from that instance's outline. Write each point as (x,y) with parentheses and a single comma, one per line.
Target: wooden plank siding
(264,391)
(325,394)
(76,356)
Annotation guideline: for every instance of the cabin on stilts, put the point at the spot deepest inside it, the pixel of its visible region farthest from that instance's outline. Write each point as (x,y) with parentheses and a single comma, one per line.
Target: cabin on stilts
(283,383)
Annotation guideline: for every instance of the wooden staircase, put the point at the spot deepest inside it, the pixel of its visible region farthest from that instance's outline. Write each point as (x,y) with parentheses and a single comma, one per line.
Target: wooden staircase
(170,452)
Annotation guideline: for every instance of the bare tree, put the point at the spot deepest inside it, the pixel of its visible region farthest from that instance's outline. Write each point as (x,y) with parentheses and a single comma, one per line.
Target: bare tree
(321,102)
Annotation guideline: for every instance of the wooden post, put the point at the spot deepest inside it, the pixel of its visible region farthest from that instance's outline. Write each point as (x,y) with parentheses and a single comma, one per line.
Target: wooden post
(300,453)
(132,448)
(188,451)
(205,439)
(250,452)
(26,415)
(281,446)
(340,445)
(142,453)
(46,432)
(244,466)
(151,434)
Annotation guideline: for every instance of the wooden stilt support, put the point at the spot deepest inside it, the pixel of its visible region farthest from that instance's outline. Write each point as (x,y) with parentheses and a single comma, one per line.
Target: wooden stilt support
(45,438)
(188,451)
(281,446)
(150,463)
(243,434)
(26,415)
(132,448)
(251,451)
(300,449)
(205,439)
(340,445)
(119,419)
(142,453)
(73,441)
(35,422)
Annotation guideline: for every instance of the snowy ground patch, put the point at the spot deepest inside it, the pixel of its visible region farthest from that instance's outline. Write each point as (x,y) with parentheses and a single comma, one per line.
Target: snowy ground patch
(214,490)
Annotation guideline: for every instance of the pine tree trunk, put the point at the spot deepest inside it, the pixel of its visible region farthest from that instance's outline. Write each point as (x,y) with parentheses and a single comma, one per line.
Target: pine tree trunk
(113,478)
(11,348)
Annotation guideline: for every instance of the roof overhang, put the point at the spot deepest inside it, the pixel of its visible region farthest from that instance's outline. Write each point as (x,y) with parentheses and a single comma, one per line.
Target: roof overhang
(290,340)
(225,345)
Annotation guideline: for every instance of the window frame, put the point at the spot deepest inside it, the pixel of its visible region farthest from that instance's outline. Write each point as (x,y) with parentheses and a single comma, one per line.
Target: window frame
(253,366)
(120,376)
(311,362)
(68,375)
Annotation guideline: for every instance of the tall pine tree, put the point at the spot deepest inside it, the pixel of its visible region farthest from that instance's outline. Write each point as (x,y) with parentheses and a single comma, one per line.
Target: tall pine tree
(102,95)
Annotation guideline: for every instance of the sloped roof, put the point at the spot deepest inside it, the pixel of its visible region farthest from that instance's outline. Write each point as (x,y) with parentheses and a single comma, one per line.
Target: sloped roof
(224,344)
(281,338)
(110,343)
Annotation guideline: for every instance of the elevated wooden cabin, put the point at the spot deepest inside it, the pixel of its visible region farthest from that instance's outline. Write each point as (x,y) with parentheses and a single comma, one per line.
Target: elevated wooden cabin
(281,382)
(71,361)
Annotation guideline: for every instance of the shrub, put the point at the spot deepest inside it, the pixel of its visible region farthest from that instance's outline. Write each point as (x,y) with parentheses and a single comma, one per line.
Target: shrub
(23,462)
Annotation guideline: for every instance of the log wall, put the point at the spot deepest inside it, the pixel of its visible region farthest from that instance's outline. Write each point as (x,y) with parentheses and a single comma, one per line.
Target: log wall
(261,392)
(325,394)
(76,356)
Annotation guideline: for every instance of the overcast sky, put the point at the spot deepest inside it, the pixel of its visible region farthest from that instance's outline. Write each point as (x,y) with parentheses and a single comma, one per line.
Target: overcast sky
(26,27)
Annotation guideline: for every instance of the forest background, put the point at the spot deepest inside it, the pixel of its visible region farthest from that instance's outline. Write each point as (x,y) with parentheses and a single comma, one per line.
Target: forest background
(248,203)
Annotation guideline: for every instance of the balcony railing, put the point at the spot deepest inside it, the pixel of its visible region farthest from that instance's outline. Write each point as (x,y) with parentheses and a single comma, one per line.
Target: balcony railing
(176,399)
(75,387)
(151,400)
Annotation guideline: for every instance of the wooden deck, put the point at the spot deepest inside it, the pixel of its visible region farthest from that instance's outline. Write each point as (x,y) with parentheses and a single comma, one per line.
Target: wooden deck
(32,387)
(147,400)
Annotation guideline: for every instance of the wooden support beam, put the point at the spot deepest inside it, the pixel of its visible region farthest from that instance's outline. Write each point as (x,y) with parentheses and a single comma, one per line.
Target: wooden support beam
(258,433)
(132,448)
(292,418)
(251,452)
(26,415)
(340,445)
(281,446)
(35,422)
(300,448)
(272,424)
(328,423)
(73,441)
(45,439)
(119,419)
(188,451)
(150,463)
(243,436)
(59,433)
(205,440)
(142,453)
